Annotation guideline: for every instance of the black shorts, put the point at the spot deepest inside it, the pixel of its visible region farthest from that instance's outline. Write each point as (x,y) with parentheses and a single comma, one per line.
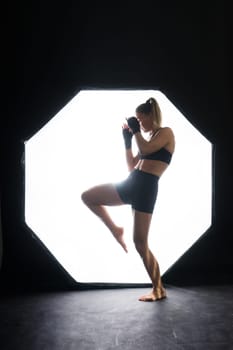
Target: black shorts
(140,190)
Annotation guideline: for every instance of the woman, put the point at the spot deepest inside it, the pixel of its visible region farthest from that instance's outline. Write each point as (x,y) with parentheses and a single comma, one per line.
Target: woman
(140,188)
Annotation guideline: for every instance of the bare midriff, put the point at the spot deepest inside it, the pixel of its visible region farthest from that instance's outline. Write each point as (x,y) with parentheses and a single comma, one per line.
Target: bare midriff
(155,167)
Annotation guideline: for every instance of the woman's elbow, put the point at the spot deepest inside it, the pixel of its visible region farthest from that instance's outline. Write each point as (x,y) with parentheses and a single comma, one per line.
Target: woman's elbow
(130,167)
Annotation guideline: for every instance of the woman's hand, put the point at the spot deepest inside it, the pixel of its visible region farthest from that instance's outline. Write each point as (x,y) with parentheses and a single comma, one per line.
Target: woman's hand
(133,124)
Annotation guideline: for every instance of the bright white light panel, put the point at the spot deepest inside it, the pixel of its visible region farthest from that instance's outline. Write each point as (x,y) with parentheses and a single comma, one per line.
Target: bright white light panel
(83,146)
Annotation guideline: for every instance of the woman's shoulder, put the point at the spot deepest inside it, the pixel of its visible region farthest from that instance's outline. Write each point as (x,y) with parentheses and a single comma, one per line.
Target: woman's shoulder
(166,130)
(168,135)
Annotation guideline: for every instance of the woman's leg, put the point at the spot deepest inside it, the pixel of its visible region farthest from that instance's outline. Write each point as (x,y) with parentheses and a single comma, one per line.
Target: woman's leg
(96,198)
(141,230)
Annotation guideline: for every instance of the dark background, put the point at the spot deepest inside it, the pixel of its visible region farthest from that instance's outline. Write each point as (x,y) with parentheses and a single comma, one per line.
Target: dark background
(54,49)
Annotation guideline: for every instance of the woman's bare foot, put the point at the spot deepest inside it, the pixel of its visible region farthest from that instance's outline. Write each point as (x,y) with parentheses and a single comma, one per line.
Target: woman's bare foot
(155,295)
(118,233)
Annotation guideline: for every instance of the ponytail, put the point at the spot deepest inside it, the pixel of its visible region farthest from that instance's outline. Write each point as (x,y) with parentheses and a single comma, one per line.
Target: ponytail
(151,106)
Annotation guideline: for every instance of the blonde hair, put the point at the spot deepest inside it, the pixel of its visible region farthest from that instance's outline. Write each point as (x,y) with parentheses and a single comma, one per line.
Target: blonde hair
(151,106)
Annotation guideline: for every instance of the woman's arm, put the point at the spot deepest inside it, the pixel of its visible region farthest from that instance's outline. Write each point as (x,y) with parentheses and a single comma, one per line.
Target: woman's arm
(130,159)
(161,140)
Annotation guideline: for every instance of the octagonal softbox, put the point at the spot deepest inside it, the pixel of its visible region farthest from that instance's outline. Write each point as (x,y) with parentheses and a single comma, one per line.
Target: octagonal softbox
(83,146)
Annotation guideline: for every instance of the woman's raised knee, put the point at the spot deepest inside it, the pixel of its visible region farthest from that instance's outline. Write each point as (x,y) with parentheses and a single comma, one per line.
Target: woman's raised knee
(85,196)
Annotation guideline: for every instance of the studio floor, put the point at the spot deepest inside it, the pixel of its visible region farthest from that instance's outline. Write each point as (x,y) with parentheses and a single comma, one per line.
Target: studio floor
(199,318)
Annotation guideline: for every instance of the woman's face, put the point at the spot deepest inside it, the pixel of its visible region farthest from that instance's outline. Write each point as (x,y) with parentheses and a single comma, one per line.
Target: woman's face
(145,121)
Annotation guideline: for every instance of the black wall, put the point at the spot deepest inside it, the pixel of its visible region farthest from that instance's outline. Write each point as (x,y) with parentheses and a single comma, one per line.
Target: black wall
(55,49)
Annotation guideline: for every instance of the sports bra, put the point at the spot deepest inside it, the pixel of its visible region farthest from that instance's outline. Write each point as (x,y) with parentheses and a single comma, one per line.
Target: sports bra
(162,154)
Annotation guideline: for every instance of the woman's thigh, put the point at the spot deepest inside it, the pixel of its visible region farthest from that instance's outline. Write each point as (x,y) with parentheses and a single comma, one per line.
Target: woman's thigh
(105,194)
